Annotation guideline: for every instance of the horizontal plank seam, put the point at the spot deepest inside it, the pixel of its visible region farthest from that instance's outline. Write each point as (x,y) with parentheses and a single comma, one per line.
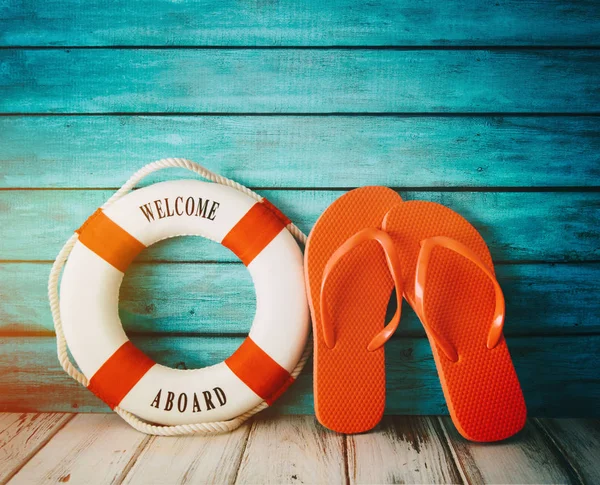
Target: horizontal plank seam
(530,262)
(557,450)
(154,261)
(389,114)
(457,461)
(141,447)
(408,335)
(37,449)
(445,189)
(342,47)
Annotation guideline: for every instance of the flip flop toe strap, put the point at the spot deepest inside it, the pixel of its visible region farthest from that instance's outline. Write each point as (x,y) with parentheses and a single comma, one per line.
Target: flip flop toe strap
(393,262)
(427,246)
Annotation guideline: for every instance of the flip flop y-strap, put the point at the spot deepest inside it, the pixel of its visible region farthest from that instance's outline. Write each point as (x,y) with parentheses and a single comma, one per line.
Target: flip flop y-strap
(393,262)
(427,246)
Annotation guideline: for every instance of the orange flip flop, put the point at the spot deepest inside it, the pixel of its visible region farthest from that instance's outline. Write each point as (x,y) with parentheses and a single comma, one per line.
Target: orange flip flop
(351,268)
(449,281)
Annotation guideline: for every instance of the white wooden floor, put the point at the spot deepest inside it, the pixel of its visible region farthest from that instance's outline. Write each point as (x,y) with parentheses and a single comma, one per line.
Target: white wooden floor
(102,449)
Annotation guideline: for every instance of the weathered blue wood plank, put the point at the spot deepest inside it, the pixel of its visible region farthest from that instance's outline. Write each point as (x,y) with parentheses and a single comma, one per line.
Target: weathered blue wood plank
(338,22)
(518,226)
(32,379)
(305,151)
(542,299)
(298,81)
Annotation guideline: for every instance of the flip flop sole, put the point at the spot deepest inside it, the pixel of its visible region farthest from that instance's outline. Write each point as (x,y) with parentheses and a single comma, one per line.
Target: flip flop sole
(482,391)
(349,380)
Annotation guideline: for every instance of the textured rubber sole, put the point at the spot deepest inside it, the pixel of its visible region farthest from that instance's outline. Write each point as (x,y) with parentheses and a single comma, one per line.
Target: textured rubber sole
(349,380)
(481,389)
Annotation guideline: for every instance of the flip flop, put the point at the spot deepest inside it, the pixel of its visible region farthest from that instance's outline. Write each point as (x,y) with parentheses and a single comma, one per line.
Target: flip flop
(449,281)
(349,265)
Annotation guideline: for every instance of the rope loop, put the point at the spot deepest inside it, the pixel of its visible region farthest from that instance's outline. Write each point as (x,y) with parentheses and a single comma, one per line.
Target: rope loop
(216,427)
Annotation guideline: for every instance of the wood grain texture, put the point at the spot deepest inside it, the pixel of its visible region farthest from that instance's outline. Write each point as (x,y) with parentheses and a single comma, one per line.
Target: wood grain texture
(305,151)
(90,449)
(525,458)
(339,22)
(7,420)
(30,371)
(219,299)
(292,449)
(489,108)
(559,226)
(22,435)
(401,450)
(297,450)
(579,442)
(190,459)
(298,81)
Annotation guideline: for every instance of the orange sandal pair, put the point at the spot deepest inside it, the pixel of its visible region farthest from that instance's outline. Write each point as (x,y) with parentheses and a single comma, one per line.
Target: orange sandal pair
(369,242)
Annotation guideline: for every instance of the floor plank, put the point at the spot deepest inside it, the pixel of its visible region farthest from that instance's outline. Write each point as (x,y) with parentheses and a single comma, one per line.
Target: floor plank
(402,450)
(190,459)
(22,435)
(527,457)
(90,449)
(292,449)
(579,441)
(7,420)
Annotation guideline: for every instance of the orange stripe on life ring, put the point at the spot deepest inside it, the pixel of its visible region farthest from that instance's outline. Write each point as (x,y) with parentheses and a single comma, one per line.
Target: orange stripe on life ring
(259,371)
(275,210)
(253,232)
(117,376)
(109,240)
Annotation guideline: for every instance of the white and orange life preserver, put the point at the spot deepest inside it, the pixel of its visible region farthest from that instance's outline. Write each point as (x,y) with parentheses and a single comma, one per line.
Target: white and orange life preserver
(122,375)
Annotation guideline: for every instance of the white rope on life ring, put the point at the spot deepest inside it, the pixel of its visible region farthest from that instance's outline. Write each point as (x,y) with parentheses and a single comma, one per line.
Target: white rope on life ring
(283,362)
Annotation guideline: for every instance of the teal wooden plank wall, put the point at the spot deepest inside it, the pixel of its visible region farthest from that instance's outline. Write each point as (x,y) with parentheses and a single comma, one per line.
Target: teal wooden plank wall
(491,108)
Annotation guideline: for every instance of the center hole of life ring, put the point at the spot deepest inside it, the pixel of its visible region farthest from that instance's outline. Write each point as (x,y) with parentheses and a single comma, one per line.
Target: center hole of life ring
(187,315)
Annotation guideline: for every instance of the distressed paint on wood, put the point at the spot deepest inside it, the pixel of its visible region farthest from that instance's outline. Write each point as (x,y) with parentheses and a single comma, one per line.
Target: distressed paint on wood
(30,370)
(401,450)
(190,459)
(559,226)
(481,152)
(389,453)
(292,449)
(179,298)
(7,420)
(579,442)
(298,81)
(22,435)
(90,449)
(339,22)
(305,151)
(525,458)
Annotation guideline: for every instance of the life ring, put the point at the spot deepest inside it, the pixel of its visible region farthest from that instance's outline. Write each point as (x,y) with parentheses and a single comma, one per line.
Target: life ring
(122,375)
